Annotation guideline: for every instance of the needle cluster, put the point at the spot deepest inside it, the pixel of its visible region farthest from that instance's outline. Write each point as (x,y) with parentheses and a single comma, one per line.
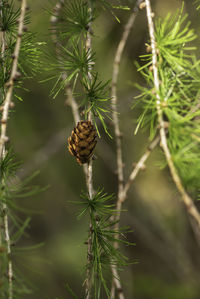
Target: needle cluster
(178,71)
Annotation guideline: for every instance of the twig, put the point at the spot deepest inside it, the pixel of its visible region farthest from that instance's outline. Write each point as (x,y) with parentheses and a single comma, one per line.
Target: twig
(3,44)
(89,181)
(70,99)
(140,165)
(10,83)
(187,200)
(75,111)
(116,282)
(118,134)
(4,138)
(7,240)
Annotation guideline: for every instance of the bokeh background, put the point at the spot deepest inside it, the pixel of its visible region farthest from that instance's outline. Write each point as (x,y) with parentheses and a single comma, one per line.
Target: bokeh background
(165,257)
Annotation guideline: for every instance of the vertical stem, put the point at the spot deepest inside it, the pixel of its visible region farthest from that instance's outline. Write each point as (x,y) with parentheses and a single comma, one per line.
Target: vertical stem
(7,240)
(3,137)
(187,200)
(87,168)
(10,83)
(116,284)
(89,179)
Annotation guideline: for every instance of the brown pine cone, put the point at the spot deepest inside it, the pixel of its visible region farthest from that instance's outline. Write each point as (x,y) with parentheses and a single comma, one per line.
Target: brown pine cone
(82,141)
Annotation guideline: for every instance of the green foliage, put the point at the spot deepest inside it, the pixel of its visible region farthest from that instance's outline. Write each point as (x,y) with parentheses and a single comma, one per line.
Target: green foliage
(179,94)
(103,237)
(9,17)
(11,188)
(74,20)
(30,51)
(197,3)
(172,38)
(96,98)
(74,64)
(12,218)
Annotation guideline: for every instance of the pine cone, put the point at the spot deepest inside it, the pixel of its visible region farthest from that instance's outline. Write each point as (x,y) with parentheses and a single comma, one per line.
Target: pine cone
(82,141)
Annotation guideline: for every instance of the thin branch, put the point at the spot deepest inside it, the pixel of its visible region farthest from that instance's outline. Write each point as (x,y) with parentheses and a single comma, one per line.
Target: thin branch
(4,138)
(3,45)
(114,99)
(116,281)
(76,115)
(10,83)
(70,99)
(187,200)
(89,179)
(7,240)
(139,166)
(88,45)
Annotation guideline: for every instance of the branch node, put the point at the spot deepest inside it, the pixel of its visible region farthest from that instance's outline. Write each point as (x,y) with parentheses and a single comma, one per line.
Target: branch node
(142,5)
(9,83)
(25,28)
(148,49)
(12,104)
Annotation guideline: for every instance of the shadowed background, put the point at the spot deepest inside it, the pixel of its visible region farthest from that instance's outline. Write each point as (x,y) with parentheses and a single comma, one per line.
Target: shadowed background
(165,256)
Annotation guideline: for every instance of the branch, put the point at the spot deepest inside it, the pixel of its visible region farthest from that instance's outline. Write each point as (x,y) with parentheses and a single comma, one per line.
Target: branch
(89,180)
(8,248)
(3,138)
(114,99)
(139,166)
(187,200)
(70,99)
(10,83)
(116,282)
(75,111)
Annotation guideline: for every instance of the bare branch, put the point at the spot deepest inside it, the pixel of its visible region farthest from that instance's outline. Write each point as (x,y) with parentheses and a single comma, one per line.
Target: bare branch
(118,135)
(140,165)
(7,240)
(187,200)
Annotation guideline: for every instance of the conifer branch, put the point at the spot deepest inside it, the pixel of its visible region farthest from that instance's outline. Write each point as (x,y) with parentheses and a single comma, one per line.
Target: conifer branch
(8,248)
(2,57)
(10,83)
(3,137)
(70,99)
(88,46)
(116,284)
(76,115)
(89,179)
(187,200)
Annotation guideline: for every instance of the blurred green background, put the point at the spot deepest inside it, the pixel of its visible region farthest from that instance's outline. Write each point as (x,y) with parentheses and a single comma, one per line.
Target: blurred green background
(166,253)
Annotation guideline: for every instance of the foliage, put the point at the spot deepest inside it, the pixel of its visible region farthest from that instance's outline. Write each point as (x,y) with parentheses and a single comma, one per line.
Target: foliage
(30,51)
(13,223)
(103,235)
(12,188)
(73,61)
(179,94)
